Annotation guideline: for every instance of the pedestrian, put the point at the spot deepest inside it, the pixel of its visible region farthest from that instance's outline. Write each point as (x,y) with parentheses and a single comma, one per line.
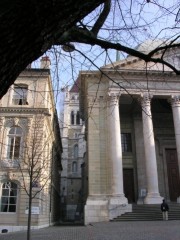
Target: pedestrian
(164,209)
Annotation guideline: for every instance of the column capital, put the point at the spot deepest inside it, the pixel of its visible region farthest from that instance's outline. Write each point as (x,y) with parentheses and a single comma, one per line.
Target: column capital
(175,101)
(146,99)
(114,96)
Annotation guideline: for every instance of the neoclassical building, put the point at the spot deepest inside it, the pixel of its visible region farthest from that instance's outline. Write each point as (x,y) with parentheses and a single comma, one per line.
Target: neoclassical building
(74,147)
(30,151)
(131,111)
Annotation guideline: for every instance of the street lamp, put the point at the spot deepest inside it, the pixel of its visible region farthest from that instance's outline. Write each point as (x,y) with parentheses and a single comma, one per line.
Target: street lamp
(68,47)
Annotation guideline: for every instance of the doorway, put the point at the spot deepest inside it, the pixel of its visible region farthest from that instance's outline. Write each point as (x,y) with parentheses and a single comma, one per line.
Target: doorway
(128,182)
(173,174)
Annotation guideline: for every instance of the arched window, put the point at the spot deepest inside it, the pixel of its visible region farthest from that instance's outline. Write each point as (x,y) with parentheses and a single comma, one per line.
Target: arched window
(72,117)
(8,197)
(77,118)
(14,143)
(20,94)
(74,167)
(76,151)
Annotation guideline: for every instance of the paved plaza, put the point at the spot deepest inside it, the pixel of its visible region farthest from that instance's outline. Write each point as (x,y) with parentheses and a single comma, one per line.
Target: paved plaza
(167,230)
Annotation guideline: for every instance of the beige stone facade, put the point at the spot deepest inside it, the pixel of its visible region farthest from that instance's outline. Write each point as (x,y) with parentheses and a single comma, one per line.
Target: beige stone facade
(132,114)
(29,139)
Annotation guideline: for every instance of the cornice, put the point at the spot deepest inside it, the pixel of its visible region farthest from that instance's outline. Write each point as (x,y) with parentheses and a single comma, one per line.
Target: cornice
(128,72)
(139,72)
(38,71)
(44,111)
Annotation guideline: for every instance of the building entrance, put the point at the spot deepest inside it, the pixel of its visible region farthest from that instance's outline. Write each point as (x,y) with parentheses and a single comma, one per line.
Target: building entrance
(173,174)
(128,181)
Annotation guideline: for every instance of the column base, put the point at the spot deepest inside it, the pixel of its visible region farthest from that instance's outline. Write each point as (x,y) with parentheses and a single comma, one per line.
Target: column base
(118,200)
(153,198)
(96,209)
(105,208)
(178,200)
(118,205)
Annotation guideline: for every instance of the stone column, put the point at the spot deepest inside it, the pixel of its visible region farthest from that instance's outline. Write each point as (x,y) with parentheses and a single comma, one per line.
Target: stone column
(153,196)
(175,103)
(115,150)
(96,208)
(75,122)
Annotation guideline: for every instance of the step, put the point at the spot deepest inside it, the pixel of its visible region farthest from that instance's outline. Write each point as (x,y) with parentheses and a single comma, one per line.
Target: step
(149,213)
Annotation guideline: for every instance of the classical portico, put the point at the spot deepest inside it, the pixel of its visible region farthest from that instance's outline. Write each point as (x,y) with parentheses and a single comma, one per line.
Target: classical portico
(133,137)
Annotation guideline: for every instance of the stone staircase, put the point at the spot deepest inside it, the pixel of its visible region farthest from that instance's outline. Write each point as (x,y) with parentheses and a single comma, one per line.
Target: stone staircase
(150,212)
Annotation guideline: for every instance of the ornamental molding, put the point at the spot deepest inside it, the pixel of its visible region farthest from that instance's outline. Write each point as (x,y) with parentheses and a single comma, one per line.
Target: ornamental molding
(139,72)
(22,122)
(44,111)
(2,121)
(9,122)
(107,72)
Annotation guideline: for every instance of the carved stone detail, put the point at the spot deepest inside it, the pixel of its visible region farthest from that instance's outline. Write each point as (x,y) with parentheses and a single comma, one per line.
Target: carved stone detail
(29,123)
(175,101)
(146,99)
(9,122)
(114,97)
(23,122)
(16,121)
(11,176)
(2,121)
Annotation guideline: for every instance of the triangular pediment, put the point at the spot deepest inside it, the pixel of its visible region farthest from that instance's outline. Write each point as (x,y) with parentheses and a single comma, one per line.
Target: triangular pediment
(136,64)
(171,55)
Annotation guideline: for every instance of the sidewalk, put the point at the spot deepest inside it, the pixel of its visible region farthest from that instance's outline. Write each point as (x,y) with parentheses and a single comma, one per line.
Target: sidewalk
(159,230)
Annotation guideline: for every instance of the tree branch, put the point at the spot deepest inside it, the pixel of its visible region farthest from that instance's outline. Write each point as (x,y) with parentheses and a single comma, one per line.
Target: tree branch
(102,17)
(85,36)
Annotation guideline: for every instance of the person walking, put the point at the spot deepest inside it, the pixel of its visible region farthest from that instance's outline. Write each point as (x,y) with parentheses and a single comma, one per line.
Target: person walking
(164,209)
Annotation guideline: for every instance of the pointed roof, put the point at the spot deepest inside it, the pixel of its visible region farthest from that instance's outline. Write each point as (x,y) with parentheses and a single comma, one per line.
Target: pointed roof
(75,87)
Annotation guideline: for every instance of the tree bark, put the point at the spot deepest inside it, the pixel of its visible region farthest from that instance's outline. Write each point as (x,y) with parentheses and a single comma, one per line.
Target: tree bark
(30,27)
(29,211)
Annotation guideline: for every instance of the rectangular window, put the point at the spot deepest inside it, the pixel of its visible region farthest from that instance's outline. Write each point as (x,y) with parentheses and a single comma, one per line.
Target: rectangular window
(126,142)
(14,147)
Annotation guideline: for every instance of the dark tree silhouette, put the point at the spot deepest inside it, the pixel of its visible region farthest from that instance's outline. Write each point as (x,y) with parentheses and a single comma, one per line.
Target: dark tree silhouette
(30,27)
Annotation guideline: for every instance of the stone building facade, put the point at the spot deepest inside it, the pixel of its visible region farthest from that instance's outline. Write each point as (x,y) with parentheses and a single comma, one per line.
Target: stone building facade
(29,140)
(72,131)
(131,111)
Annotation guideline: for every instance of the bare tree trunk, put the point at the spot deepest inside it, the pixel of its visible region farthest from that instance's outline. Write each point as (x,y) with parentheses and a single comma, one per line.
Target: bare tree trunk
(29,210)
